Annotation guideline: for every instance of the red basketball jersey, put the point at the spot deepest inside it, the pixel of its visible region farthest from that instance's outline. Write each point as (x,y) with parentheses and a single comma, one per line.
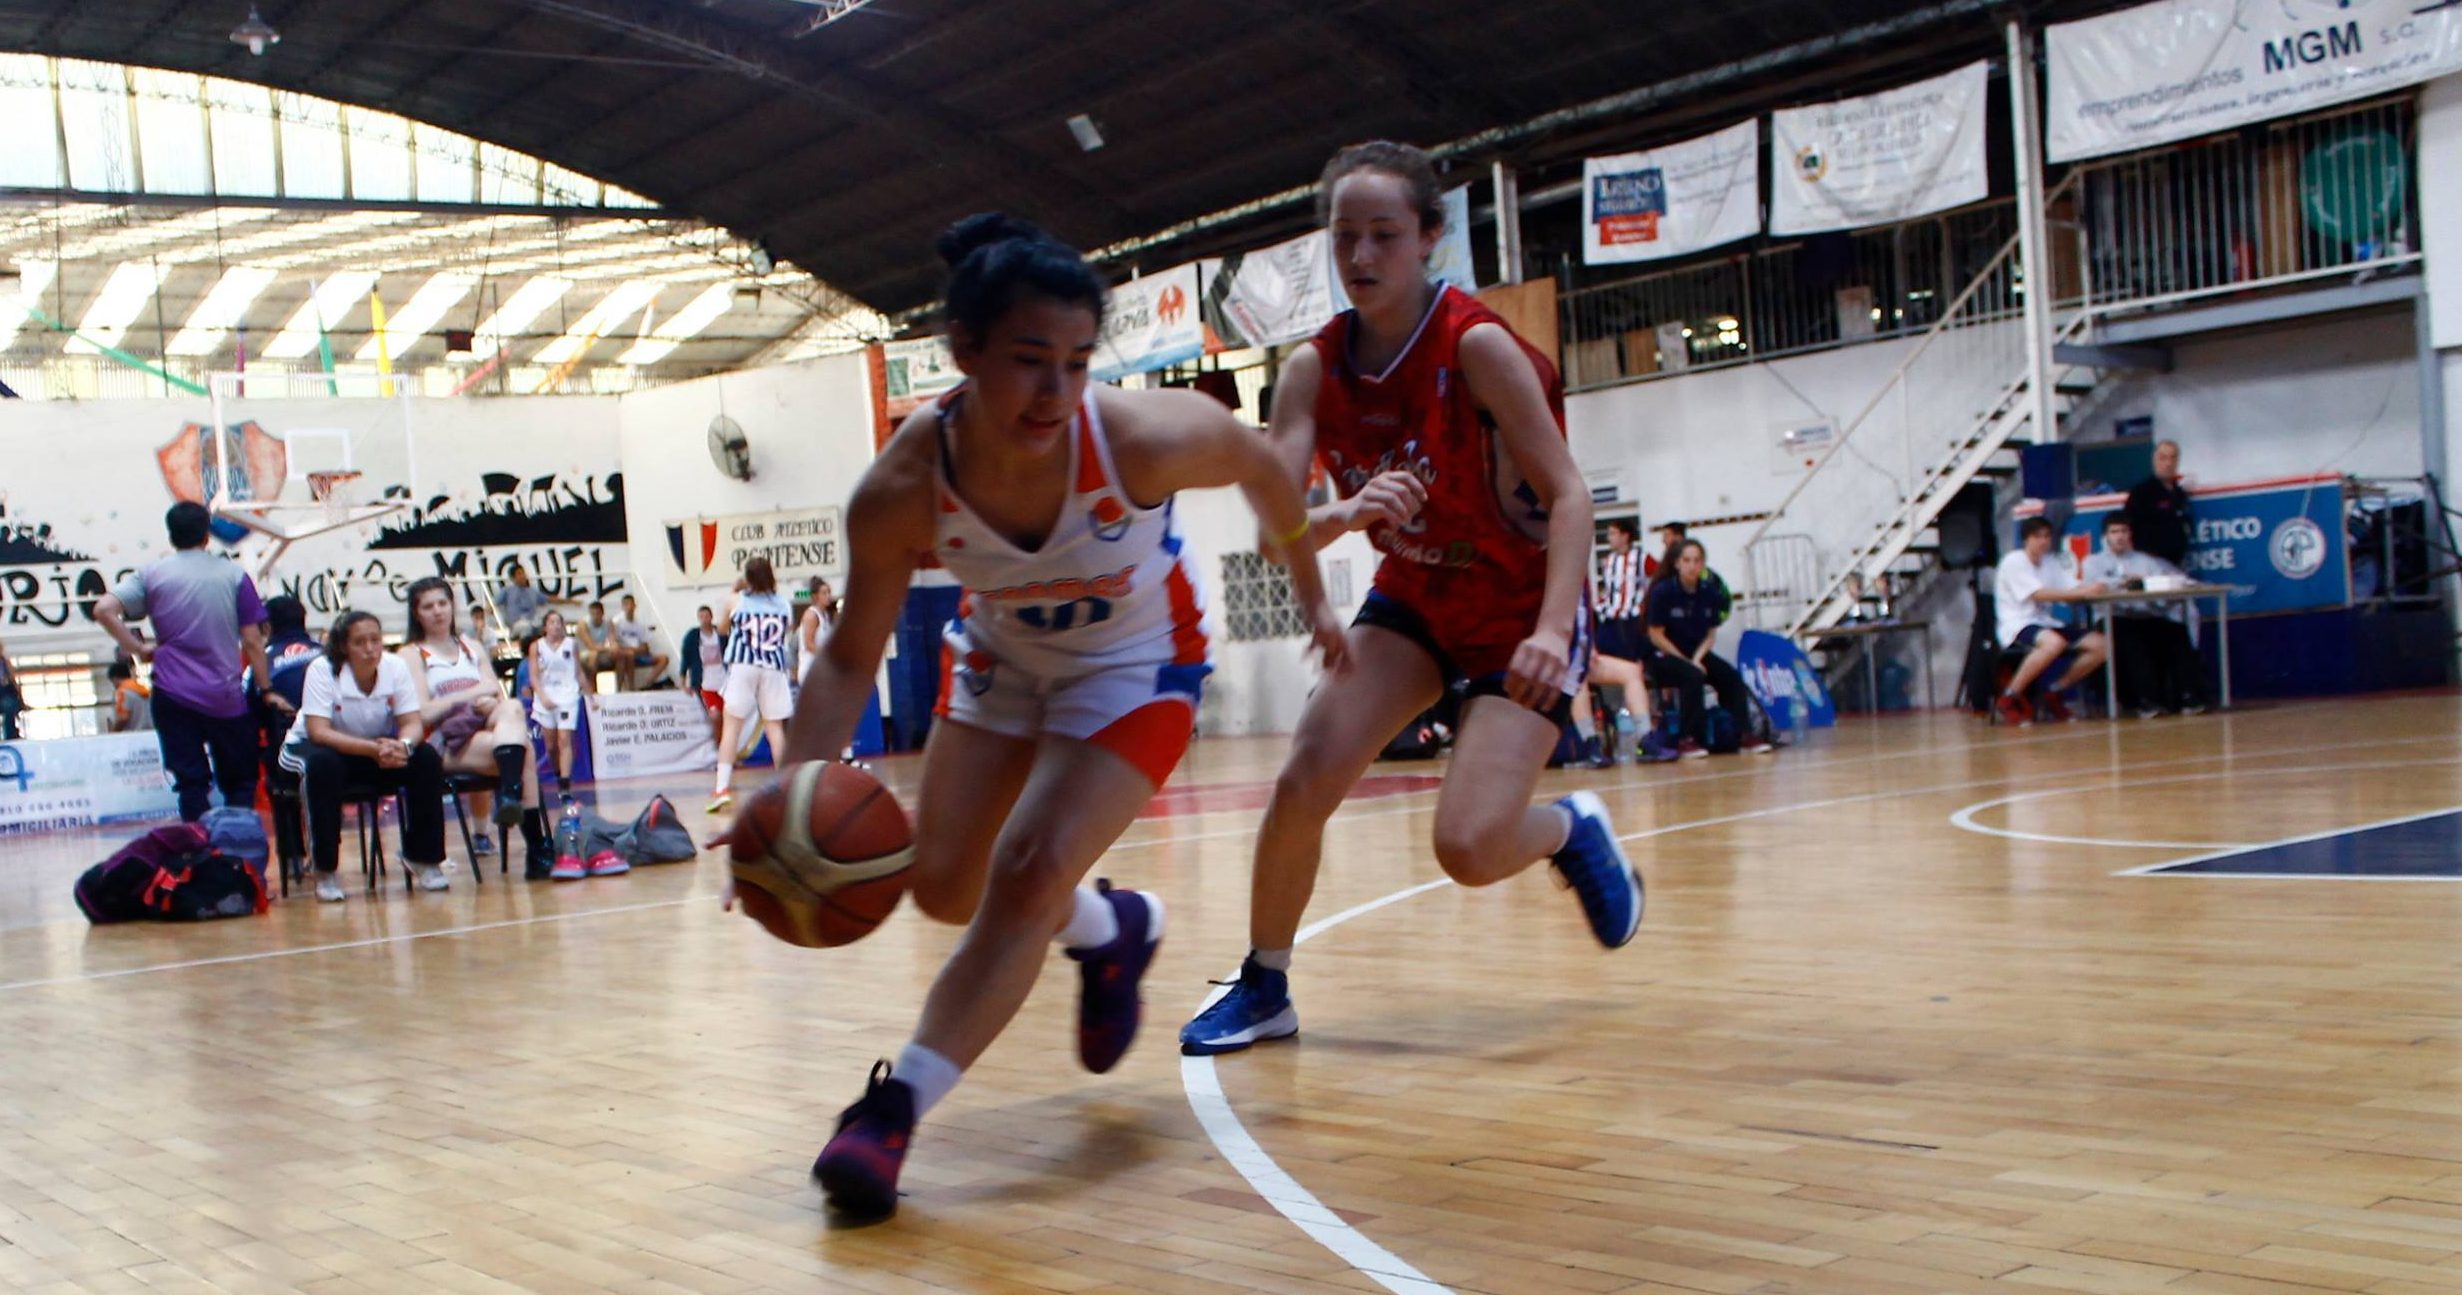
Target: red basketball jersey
(1483,520)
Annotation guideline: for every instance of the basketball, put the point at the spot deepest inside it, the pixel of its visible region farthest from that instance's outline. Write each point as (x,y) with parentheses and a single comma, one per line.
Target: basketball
(820,856)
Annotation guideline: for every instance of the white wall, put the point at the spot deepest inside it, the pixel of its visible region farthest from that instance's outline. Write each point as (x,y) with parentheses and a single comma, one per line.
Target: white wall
(810,426)
(2440,204)
(88,472)
(2337,395)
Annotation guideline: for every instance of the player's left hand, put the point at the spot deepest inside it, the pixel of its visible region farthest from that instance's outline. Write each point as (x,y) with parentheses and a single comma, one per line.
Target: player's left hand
(1535,678)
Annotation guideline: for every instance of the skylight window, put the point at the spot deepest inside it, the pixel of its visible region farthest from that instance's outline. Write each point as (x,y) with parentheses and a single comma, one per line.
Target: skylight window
(406,326)
(125,295)
(221,310)
(332,302)
(611,312)
(682,326)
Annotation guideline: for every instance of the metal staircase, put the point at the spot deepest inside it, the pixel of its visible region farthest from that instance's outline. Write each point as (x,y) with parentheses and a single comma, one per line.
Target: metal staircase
(1956,409)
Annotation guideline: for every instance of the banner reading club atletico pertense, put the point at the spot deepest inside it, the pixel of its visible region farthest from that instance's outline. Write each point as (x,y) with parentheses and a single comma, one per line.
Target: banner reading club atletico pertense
(1673,199)
(1884,157)
(2179,69)
(800,543)
(1151,322)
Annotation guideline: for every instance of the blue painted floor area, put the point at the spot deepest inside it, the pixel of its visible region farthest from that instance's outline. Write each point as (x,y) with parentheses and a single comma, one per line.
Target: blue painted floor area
(2427,848)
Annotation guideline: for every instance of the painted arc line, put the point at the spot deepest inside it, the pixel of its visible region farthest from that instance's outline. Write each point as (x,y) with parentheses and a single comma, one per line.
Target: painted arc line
(1964,817)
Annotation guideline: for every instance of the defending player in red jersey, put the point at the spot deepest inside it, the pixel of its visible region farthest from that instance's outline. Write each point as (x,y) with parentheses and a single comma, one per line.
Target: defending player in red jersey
(1444,435)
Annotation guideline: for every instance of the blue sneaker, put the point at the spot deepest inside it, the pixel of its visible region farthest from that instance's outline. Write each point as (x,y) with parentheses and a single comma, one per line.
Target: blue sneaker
(1257,1008)
(1594,865)
(1108,1005)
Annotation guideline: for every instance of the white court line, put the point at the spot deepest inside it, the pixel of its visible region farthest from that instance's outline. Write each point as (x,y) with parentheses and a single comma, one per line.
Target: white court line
(2170,869)
(1964,817)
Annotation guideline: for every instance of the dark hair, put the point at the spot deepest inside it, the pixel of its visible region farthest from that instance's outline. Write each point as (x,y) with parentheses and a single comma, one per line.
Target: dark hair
(1691,546)
(477,610)
(995,258)
(1631,528)
(2116,519)
(1676,527)
(117,671)
(630,599)
(420,588)
(283,612)
(1407,163)
(705,607)
(2033,526)
(559,618)
(597,606)
(759,576)
(189,525)
(337,639)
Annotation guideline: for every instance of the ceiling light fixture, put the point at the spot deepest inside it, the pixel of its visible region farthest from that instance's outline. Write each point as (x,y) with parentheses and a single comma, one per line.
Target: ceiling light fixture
(1088,136)
(256,33)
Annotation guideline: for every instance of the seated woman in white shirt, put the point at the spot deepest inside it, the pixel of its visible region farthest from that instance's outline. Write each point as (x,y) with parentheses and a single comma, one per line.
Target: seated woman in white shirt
(359,728)
(470,720)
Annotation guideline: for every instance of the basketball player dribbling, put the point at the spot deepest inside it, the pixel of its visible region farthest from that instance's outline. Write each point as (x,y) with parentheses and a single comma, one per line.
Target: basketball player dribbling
(1444,433)
(1070,677)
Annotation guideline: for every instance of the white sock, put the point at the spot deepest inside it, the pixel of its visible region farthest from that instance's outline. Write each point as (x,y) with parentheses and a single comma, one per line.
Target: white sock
(930,1074)
(1567,838)
(1272,959)
(726,777)
(1093,922)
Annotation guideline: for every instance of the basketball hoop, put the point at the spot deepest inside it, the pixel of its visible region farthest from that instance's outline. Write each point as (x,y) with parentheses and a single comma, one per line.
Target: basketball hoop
(332,489)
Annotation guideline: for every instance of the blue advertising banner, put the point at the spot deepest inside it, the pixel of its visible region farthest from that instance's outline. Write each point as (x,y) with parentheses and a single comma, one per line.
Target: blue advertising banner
(2281,542)
(82,781)
(1777,671)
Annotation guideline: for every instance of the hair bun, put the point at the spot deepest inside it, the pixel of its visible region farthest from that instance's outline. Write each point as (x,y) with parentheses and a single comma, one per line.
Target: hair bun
(983,229)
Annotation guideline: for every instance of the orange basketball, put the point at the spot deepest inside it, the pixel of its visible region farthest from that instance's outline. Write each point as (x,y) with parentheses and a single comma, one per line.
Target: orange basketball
(820,856)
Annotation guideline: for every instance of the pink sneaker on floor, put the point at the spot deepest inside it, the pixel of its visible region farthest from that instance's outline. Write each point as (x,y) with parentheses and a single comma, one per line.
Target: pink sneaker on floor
(607,863)
(568,868)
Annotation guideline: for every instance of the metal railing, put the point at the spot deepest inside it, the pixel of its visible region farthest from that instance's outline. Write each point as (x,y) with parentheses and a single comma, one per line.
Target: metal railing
(1926,416)
(2273,204)
(1784,300)
(1781,573)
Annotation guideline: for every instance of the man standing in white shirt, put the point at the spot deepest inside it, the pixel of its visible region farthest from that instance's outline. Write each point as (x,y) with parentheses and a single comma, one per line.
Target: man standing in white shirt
(2030,582)
(2158,664)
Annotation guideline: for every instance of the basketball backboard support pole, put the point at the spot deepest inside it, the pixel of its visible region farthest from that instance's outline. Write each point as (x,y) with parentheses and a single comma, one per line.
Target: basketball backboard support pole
(322,460)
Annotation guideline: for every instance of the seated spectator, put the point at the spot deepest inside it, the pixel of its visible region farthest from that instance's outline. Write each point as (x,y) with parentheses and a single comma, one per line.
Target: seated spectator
(598,645)
(288,653)
(132,705)
(358,729)
(2031,583)
(523,604)
(469,719)
(1685,611)
(2158,666)
(633,652)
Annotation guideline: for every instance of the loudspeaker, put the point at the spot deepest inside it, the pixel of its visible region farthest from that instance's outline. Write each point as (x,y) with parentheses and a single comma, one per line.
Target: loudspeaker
(1966,528)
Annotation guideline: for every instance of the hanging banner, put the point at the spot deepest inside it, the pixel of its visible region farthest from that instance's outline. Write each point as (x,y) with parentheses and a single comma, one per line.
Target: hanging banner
(1452,261)
(1272,295)
(1884,157)
(638,733)
(800,543)
(1153,323)
(913,372)
(2179,69)
(1674,199)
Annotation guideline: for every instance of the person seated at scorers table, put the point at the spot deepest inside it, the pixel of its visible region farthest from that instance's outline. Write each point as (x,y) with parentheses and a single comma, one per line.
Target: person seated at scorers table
(2158,666)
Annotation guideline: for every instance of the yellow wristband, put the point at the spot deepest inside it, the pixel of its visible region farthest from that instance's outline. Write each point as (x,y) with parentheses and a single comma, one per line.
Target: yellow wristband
(1298,533)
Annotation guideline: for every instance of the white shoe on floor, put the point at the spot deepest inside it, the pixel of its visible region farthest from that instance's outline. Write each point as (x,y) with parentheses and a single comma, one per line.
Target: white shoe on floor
(431,876)
(329,889)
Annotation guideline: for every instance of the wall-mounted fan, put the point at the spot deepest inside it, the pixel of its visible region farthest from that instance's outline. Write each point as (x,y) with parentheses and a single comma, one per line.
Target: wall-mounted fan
(730,450)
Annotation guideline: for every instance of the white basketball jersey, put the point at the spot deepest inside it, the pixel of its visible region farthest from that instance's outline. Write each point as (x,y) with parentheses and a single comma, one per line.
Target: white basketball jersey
(559,669)
(1111,585)
(466,668)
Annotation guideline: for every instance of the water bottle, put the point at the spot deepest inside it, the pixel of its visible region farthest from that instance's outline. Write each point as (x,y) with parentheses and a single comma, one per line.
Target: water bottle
(1797,718)
(1624,731)
(568,830)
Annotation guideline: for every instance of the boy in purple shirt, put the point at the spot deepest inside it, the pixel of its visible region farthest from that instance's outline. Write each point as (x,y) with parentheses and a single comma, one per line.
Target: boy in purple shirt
(208,622)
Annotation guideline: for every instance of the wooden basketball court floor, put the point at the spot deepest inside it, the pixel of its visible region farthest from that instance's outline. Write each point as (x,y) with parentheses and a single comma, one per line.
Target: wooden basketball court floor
(1886,1030)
